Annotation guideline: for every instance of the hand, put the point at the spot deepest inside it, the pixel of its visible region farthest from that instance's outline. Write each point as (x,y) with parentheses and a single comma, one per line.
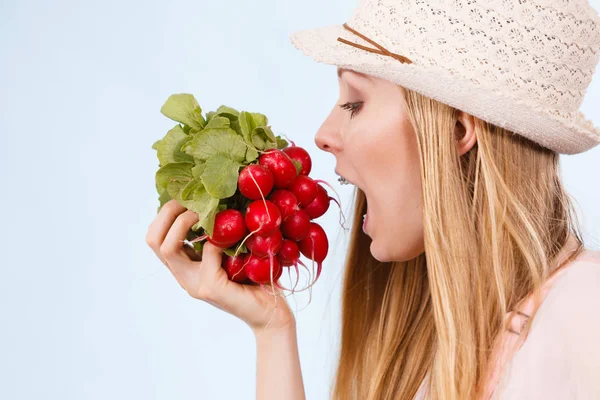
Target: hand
(203,278)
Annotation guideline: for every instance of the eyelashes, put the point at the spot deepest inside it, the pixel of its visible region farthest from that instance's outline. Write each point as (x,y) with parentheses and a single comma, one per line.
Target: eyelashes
(353,108)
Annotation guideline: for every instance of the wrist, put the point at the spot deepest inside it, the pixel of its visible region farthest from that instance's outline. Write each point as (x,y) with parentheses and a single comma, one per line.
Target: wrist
(274,330)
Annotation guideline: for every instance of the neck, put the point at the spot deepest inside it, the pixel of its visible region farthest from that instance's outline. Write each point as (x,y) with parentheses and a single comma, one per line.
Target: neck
(571,245)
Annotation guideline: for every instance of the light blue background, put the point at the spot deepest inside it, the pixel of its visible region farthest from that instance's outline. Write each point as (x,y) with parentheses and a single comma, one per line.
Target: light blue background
(87,310)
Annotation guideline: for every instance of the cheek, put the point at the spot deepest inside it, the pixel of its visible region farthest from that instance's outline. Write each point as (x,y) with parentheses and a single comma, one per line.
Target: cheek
(391,178)
(386,159)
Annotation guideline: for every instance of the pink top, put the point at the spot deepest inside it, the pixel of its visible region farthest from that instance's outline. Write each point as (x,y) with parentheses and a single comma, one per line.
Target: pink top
(561,358)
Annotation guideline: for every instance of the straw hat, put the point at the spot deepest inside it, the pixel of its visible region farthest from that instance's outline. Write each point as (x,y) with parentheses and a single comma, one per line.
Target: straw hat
(524,65)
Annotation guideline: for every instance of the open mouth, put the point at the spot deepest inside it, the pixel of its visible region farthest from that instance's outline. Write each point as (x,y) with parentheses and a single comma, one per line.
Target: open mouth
(366,217)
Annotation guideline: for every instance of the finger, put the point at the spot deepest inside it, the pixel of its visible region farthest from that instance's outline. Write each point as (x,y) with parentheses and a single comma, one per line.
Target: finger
(211,259)
(172,248)
(158,229)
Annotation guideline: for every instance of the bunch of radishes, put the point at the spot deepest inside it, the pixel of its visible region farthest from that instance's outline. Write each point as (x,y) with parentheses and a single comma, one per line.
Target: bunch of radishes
(249,187)
(277,224)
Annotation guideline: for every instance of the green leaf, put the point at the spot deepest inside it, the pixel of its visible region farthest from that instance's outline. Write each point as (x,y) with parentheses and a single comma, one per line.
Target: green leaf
(162,199)
(258,142)
(220,176)
(175,171)
(186,195)
(175,186)
(204,205)
(216,141)
(155,144)
(196,198)
(198,169)
(218,123)
(263,138)
(228,112)
(198,246)
(231,251)
(206,220)
(235,125)
(210,115)
(281,143)
(298,166)
(260,119)
(184,108)
(169,149)
(268,133)
(251,154)
(247,125)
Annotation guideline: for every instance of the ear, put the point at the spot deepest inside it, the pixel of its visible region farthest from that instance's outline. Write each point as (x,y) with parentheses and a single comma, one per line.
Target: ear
(464,132)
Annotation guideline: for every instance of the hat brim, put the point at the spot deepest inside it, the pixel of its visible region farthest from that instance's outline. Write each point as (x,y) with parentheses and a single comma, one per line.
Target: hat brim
(567,135)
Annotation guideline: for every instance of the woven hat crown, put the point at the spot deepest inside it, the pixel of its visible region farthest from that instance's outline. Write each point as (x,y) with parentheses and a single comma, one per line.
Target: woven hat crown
(544,51)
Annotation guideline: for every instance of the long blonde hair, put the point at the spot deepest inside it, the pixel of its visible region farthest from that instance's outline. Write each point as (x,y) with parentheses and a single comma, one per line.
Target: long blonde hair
(494,219)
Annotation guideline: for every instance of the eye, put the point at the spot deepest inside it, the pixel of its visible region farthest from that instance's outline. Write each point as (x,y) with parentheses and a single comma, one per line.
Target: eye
(352,107)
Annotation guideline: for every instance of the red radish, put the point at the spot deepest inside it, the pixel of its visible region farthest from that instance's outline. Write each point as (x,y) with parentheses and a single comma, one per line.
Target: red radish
(258,269)
(285,201)
(297,226)
(262,246)
(305,190)
(289,253)
(300,155)
(255,181)
(263,217)
(315,246)
(234,266)
(281,165)
(319,205)
(229,228)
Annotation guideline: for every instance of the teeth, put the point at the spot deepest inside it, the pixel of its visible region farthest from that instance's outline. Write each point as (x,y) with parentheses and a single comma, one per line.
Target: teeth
(343,181)
(364,217)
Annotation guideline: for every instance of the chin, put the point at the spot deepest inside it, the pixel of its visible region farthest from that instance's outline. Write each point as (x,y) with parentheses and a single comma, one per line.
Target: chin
(380,253)
(390,254)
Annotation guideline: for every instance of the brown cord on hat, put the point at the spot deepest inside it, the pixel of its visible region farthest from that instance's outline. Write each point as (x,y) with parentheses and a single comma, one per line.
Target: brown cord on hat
(381,50)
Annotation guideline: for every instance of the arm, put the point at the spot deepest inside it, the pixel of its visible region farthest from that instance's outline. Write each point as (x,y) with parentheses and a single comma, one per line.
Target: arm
(278,373)
(203,278)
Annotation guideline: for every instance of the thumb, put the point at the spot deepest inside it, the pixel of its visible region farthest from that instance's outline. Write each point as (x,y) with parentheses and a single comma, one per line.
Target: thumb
(211,257)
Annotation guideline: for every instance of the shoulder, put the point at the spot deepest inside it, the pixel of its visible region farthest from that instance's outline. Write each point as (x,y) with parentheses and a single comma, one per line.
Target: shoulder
(575,295)
(560,357)
(569,316)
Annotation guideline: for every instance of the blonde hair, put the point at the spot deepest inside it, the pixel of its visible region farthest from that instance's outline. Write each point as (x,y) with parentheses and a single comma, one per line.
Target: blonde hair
(494,219)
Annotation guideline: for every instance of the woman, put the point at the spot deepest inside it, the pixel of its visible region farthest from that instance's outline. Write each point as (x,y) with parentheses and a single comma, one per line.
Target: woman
(450,121)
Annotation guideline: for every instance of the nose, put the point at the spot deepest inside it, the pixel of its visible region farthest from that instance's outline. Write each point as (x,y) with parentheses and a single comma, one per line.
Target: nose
(321,142)
(327,137)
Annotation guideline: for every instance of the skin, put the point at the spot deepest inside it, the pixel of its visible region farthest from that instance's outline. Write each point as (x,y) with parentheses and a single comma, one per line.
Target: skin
(376,150)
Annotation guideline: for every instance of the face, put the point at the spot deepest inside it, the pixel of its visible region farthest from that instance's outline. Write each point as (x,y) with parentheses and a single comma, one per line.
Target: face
(375,149)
